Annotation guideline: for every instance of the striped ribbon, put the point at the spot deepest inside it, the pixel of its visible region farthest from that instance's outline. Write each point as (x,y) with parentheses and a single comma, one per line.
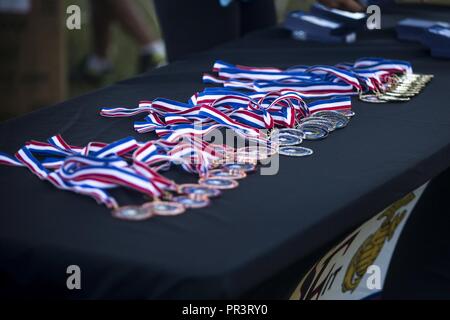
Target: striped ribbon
(90,170)
(367,74)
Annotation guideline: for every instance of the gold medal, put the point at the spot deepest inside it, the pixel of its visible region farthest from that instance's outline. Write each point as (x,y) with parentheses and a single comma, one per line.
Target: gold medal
(371,98)
(393,98)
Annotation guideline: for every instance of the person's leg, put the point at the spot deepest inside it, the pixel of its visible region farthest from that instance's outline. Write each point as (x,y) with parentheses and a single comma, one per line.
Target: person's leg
(101,20)
(131,19)
(133,22)
(96,64)
(192,26)
(257,14)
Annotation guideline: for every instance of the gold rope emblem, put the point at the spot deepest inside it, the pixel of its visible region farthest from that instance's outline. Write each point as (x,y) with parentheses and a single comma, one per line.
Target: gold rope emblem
(369,250)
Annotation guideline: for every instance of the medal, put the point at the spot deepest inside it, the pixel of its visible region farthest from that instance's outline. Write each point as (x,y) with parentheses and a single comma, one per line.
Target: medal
(286,139)
(164,208)
(132,213)
(295,151)
(325,123)
(394,99)
(338,119)
(371,98)
(218,183)
(313,131)
(399,94)
(292,131)
(224,174)
(244,167)
(254,153)
(192,202)
(347,113)
(196,189)
(279,98)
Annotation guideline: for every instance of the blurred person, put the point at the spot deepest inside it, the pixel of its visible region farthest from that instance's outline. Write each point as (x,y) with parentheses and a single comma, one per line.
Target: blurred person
(348,5)
(104,12)
(193,26)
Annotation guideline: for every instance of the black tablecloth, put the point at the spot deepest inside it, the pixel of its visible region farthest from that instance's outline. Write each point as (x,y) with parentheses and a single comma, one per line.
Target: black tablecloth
(249,234)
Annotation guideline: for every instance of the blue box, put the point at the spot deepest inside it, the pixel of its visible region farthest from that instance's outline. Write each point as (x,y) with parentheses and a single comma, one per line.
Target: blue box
(312,24)
(415,29)
(311,36)
(351,20)
(437,38)
(380,3)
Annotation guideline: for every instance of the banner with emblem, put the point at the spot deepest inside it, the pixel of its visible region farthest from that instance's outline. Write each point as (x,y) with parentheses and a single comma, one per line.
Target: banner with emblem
(356,268)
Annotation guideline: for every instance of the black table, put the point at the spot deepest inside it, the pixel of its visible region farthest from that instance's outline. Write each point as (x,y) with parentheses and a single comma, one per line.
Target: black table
(250,234)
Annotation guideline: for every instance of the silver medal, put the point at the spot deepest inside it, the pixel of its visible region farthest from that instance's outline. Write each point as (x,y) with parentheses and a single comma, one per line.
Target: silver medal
(347,113)
(313,131)
(286,139)
(326,123)
(292,131)
(295,151)
(339,120)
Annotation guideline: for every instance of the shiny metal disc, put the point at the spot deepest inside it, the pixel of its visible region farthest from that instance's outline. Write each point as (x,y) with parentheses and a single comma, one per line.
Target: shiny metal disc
(254,153)
(394,99)
(245,167)
(292,131)
(218,183)
(227,174)
(339,120)
(371,99)
(192,202)
(395,93)
(196,189)
(165,208)
(286,139)
(132,213)
(313,131)
(347,113)
(295,151)
(326,123)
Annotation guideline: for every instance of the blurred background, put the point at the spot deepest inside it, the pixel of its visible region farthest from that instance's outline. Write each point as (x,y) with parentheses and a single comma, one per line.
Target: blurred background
(43,61)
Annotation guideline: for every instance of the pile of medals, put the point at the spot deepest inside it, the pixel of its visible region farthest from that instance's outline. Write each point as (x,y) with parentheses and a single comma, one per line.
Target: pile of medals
(314,127)
(373,80)
(399,89)
(274,108)
(95,169)
(286,117)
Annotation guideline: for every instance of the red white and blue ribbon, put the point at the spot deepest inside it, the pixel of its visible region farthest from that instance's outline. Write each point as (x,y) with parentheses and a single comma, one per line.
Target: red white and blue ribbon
(90,170)
(367,74)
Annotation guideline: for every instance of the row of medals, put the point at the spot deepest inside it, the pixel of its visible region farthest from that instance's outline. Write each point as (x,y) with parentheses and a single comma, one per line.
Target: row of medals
(237,165)
(399,89)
